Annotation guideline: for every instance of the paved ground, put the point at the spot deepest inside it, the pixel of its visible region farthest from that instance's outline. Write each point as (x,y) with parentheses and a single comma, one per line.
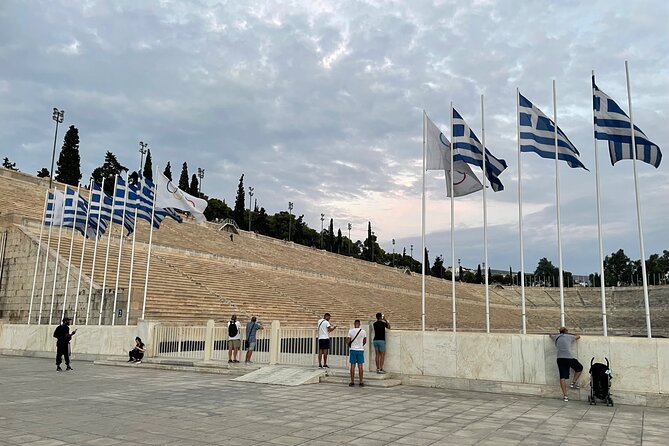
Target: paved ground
(100,405)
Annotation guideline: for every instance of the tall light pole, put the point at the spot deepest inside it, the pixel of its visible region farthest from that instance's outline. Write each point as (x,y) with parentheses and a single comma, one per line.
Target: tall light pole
(459,278)
(142,149)
(290,217)
(200,175)
(322,219)
(350,242)
(411,264)
(250,201)
(393,253)
(372,247)
(58,116)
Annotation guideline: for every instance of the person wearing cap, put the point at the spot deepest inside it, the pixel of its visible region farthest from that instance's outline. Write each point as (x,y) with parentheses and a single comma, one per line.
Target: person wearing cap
(63,337)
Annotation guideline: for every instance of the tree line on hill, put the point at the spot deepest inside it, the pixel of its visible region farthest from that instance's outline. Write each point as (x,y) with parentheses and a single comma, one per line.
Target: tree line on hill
(619,269)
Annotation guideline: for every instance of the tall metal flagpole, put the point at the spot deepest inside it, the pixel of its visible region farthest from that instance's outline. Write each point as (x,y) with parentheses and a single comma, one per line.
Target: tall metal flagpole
(148,259)
(602,284)
(452,227)
(132,262)
(638,205)
(557,202)
(485,224)
(75,202)
(110,231)
(46,257)
(57,262)
(83,253)
(39,249)
(422,222)
(120,249)
(520,220)
(95,249)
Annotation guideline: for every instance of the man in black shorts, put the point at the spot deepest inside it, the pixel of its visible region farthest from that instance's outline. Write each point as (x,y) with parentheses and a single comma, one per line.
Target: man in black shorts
(566,361)
(324,329)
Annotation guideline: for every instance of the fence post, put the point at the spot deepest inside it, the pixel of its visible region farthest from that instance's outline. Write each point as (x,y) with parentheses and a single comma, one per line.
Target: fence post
(209,340)
(371,364)
(275,342)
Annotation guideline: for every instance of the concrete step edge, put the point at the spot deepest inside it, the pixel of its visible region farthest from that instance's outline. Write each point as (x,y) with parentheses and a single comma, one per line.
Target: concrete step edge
(368,383)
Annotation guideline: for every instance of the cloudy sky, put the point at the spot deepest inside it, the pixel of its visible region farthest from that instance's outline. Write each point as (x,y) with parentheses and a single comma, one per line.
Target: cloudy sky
(320,103)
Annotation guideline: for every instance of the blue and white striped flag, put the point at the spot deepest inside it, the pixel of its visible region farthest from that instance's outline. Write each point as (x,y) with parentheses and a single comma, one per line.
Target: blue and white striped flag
(613,125)
(76,208)
(54,208)
(120,203)
(537,134)
(468,148)
(100,208)
(140,197)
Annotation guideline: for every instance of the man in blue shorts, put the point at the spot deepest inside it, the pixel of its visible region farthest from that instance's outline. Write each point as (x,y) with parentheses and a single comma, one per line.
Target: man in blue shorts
(356,340)
(380,327)
(566,361)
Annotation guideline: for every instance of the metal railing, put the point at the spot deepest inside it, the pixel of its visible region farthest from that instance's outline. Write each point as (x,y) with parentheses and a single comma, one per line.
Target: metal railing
(179,341)
(260,354)
(299,346)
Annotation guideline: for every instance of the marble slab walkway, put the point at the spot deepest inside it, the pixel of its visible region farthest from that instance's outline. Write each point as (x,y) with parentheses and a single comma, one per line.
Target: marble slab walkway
(98,405)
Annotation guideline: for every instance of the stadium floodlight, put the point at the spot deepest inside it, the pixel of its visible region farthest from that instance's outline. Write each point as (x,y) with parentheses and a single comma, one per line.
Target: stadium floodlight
(251,189)
(322,219)
(290,217)
(142,149)
(349,239)
(58,116)
(393,253)
(371,242)
(200,175)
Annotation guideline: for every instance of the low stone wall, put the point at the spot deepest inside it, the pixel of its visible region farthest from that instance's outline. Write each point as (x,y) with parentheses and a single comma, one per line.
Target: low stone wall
(526,364)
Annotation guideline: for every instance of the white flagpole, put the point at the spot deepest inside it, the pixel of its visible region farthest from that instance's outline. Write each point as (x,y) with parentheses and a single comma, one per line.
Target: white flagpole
(95,249)
(452,225)
(132,263)
(148,259)
(557,202)
(83,252)
(422,222)
(485,224)
(520,220)
(120,249)
(39,249)
(46,257)
(638,205)
(110,231)
(75,202)
(602,281)
(57,262)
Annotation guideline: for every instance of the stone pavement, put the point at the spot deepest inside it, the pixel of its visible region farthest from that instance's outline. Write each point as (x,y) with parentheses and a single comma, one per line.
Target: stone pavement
(102,405)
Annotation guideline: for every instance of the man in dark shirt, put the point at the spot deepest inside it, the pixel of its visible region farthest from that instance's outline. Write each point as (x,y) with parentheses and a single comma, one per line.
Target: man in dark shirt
(380,327)
(63,336)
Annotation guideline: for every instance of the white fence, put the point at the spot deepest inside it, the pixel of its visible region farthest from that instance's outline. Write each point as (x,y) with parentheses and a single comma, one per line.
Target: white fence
(220,345)
(179,341)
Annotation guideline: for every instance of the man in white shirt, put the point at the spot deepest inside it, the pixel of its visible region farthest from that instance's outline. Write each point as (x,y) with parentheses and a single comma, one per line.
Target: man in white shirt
(356,340)
(324,329)
(234,339)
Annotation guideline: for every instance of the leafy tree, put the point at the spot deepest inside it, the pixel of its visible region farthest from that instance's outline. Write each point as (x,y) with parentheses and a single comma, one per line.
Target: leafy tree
(194,186)
(183,179)
(618,269)
(331,236)
(438,267)
(510,276)
(339,241)
(168,171)
(105,174)
(148,166)
(479,277)
(546,268)
(8,165)
(68,169)
(43,173)
(595,280)
(427,263)
(261,223)
(217,209)
(238,213)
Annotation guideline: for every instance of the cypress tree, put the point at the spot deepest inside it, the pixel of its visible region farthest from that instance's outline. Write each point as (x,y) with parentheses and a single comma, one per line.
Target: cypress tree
(427,263)
(105,173)
(194,185)
(43,173)
(148,167)
(339,241)
(331,236)
(238,212)
(168,171)
(183,179)
(69,160)
(479,276)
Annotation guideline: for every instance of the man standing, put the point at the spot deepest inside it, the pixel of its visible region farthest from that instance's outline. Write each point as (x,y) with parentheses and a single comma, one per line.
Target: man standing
(234,339)
(566,361)
(380,327)
(252,328)
(356,340)
(324,330)
(63,337)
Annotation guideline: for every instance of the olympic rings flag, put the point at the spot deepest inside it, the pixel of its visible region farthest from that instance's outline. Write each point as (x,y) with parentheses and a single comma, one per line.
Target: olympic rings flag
(170,196)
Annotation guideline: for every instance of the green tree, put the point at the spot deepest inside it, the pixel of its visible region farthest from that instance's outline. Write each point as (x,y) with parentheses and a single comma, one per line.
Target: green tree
(338,243)
(217,209)
(9,165)
(68,170)
(479,277)
(618,269)
(427,262)
(148,166)
(239,210)
(183,179)
(43,173)
(194,186)
(438,267)
(105,174)
(168,171)
(331,236)
(595,280)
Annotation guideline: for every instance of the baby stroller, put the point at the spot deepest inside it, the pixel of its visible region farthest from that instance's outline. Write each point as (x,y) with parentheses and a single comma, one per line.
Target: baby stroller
(600,382)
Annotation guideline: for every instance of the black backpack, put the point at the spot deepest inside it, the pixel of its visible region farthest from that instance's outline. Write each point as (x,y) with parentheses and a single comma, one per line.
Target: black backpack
(232,329)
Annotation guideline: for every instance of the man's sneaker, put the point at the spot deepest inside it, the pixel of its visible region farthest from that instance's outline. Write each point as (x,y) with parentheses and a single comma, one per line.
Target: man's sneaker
(320,366)
(139,361)
(229,361)
(351,384)
(575,385)
(58,369)
(131,360)
(326,366)
(565,398)
(378,371)
(236,361)
(383,372)
(362,385)
(69,368)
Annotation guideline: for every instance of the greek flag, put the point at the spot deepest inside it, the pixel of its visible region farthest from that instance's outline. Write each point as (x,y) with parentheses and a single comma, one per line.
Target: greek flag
(140,197)
(75,214)
(468,148)
(613,125)
(537,134)
(54,208)
(126,218)
(100,211)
